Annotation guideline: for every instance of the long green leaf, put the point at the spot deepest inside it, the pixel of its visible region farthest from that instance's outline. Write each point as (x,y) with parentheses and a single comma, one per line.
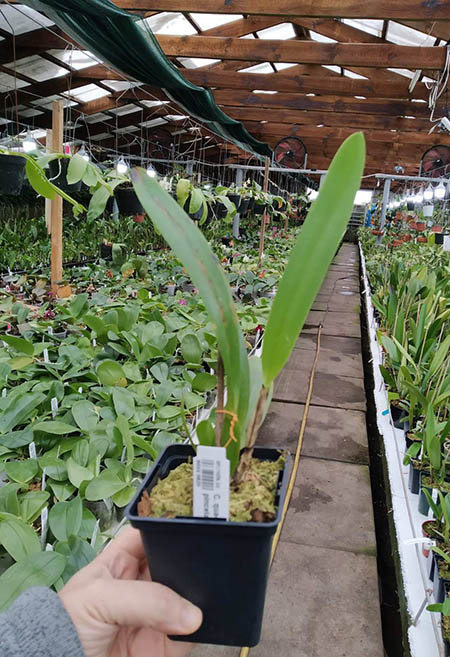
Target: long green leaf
(191,247)
(42,569)
(312,255)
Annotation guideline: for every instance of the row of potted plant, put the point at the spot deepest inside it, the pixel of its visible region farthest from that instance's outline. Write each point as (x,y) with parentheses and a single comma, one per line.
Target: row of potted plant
(411,296)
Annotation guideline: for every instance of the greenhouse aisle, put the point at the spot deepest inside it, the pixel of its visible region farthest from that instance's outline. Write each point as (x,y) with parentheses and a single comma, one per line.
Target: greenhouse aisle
(323,596)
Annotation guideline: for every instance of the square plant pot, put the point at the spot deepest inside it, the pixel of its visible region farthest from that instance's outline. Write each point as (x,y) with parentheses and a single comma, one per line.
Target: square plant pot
(220,566)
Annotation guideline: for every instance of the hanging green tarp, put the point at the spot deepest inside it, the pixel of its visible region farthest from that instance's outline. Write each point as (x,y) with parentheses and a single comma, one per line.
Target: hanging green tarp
(126,43)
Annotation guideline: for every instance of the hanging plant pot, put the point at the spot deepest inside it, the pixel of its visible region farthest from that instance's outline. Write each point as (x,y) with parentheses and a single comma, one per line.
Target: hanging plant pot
(259,209)
(410,205)
(251,204)
(236,199)
(12,174)
(106,250)
(57,174)
(196,216)
(244,205)
(220,210)
(128,202)
(218,565)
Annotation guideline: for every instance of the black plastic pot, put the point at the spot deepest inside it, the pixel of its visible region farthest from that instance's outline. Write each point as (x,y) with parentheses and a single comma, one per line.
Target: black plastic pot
(439,238)
(106,250)
(236,199)
(12,174)
(58,175)
(410,205)
(128,202)
(439,584)
(259,209)
(398,417)
(220,210)
(220,566)
(423,505)
(243,205)
(414,479)
(196,216)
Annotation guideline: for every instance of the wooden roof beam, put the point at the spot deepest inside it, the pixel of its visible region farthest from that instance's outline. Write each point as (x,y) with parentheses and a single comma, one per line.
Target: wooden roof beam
(304,52)
(414,10)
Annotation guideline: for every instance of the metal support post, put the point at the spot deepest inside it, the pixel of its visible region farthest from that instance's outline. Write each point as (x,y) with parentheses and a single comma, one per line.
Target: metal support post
(237,216)
(386,192)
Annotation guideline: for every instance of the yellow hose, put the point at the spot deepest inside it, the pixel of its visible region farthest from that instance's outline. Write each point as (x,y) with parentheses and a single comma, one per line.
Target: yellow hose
(245,651)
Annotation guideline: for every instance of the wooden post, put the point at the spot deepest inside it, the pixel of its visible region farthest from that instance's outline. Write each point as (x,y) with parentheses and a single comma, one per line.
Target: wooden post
(264,216)
(48,203)
(57,204)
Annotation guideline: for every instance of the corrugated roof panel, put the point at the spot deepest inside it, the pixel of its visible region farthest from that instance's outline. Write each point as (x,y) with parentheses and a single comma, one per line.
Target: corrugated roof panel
(282,31)
(197,62)
(37,68)
(374,27)
(407,36)
(19,19)
(209,21)
(76,59)
(171,23)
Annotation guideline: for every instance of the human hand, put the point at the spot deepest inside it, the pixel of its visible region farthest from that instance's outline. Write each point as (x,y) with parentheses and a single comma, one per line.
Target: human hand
(118,612)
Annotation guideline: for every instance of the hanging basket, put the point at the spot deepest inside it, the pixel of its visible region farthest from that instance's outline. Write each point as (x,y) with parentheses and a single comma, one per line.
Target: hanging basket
(12,174)
(128,202)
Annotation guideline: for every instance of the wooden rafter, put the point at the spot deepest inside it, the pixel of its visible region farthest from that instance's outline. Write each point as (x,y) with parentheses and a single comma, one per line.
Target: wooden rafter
(413,10)
(304,52)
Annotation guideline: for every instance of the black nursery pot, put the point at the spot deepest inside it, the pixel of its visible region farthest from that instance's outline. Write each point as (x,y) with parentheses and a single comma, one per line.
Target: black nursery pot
(243,205)
(414,479)
(259,209)
(106,250)
(128,202)
(12,174)
(220,210)
(58,175)
(220,566)
(236,199)
(439,238)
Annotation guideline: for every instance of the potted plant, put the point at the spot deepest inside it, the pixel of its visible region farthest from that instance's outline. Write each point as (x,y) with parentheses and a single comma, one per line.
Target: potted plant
(222,564)
(12,174)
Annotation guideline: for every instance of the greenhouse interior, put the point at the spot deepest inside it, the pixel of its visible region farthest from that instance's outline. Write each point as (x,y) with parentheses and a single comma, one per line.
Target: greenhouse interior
(224,328)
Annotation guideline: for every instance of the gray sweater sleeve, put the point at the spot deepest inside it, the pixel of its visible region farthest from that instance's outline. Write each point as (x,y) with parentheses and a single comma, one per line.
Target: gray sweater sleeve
(37,625)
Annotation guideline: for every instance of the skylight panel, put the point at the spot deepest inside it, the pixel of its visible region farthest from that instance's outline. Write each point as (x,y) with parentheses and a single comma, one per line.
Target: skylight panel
(197,62)
(281,66)
(102,135)
(407,36)
(315,36)
(374,27)
(354,76)
(335,69)
(96,118)
(209,21)
(405,72)
(76,59)
(263,91)
(171,23)
(8,82)
(283,31)
(154,103)
(37,68)
(126,130)
(89,92)
(121,85)
(265,67)
(29,112)
(47,103)
(176,117)
(22,21)
(248,36)
(125,109)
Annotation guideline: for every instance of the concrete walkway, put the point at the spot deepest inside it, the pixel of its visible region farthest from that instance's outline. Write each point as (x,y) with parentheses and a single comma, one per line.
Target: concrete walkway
(322,599)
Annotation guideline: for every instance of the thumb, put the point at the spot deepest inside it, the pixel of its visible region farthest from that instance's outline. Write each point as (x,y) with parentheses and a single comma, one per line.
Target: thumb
(143,604)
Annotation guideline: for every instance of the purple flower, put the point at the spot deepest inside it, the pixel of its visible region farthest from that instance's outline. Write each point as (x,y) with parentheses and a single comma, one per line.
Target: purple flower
(182,302)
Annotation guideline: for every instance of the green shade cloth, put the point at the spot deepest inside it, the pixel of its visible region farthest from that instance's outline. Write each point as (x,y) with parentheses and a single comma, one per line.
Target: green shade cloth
(126,43)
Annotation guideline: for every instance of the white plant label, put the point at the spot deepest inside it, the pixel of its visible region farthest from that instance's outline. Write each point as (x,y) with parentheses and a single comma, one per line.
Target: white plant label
(32,450)
(94,342)
(46,358)
(4,392)
(50,330)
(44,526)
(446,243)
(211,483)
(54,406)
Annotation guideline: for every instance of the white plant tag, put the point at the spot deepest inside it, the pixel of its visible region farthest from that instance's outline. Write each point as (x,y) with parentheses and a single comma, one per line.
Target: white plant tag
(50,330)
(32,450)
(46,358)
(4,392)
(94,342)
(54,406)
(446,243)
(44,526)
(211,483)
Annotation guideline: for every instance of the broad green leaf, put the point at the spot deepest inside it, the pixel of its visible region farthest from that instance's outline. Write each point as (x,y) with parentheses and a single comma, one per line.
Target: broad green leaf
(78,554)
(42,569)
(21,471)
(163,439)
(204,382)
(39,181)
(168,412)
(76,169)
(85,415)
(79,304)
(9,502)
(191,247)
(19,344)
(123,402)
(19,409)
(18,538)
(77,473)
(105,485)
(205,433)
(98,202)
(110,373)
(65,518)
(62,491)
(32,503)
(55,427)
(20,362)
(191,349)
(312,254)
(124,496)
(15,439)
(122,425)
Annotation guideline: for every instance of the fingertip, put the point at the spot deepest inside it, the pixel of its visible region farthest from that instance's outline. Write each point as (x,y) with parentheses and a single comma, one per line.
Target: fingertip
(191,618)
